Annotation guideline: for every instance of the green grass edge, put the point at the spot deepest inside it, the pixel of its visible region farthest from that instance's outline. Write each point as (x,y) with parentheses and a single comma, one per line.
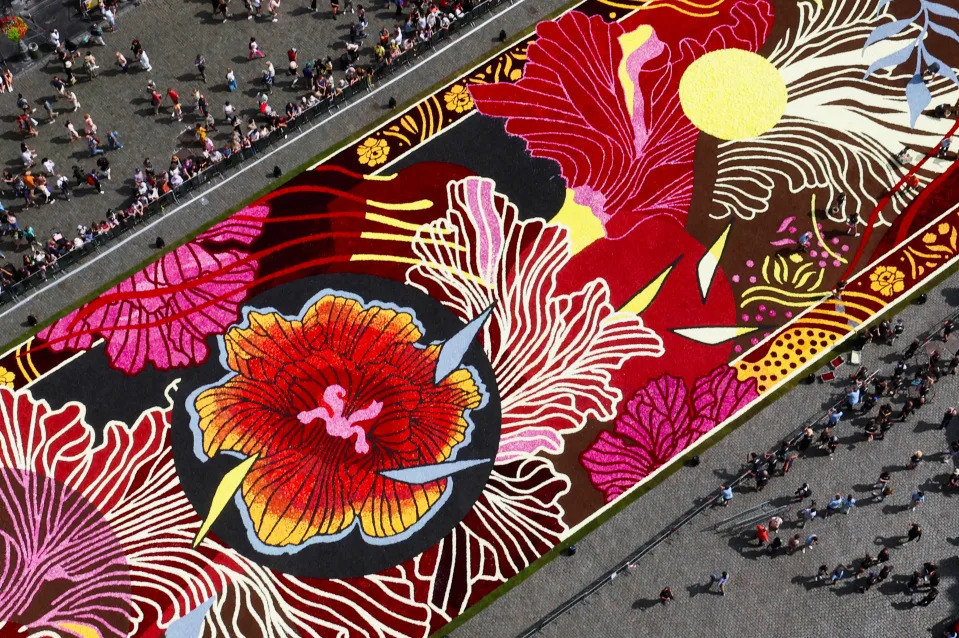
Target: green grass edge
(679,462)
(271,186)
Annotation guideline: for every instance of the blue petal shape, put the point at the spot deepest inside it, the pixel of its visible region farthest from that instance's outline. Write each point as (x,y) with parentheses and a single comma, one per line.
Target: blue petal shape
(454,349)
(428,473)
(889,29)
(943,68)
(191,625)
(918,96)
(940,9)
(892,60)
(882,4)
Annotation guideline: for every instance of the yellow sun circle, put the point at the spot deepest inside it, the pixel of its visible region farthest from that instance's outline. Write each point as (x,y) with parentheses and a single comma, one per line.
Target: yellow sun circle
(733,94)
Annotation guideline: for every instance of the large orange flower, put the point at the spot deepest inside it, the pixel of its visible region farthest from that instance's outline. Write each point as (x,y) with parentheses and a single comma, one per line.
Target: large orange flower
(328,401)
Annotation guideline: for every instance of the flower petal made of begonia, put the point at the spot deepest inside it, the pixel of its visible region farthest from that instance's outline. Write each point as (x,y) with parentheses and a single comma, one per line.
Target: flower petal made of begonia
(164,313)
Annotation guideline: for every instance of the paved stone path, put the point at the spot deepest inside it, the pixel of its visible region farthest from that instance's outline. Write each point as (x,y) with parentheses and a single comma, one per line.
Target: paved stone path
(771,596)
(120,101)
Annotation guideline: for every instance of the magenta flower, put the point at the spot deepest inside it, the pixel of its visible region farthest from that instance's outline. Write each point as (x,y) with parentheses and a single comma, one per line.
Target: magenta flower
(660,421)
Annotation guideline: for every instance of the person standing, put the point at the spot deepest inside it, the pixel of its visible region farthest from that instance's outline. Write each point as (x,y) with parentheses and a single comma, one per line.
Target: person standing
(274,7)
(111,18)
(200,64)
(230,80)
(666,596)
(803,492)
(122,62)
(144,60)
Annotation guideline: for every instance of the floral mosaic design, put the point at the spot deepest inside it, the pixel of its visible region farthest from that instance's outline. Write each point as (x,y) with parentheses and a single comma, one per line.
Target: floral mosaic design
(373,151)
(346,381)
(590,305)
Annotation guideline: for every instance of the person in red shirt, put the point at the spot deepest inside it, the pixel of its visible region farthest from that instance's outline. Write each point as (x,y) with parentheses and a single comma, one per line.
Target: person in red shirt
(762,535)
(174,96)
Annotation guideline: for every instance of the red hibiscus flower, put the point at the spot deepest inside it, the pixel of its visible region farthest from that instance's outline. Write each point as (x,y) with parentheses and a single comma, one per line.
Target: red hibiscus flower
(346,383)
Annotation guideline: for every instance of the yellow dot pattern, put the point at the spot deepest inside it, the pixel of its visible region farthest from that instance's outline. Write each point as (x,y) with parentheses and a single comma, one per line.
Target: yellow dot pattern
(790,351)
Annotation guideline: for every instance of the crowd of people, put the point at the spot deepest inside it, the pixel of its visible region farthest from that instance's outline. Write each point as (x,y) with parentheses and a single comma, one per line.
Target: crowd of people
(321,81)
(874,404)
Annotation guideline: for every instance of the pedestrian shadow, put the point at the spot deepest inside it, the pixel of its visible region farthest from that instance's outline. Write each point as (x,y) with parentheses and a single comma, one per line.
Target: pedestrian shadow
(903,605)
(925,426)
(724,475)
(895,509)
(889,541)
(894,586)
(645,604)
(808,582)
(240,59)
(701,588)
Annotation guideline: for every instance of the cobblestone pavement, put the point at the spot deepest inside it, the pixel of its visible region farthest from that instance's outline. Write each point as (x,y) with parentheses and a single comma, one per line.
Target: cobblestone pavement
(173,33)
(771,596)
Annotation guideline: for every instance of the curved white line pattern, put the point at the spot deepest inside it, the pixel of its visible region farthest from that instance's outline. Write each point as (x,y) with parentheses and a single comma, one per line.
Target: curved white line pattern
(839,132)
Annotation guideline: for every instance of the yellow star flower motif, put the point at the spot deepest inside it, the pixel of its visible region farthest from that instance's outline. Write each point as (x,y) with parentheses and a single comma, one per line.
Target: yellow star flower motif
(887,280)
(373,151)
(458,99)
(6,377)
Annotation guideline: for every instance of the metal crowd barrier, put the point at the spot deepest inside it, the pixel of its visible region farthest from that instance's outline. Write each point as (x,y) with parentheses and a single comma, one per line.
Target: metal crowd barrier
(326,107)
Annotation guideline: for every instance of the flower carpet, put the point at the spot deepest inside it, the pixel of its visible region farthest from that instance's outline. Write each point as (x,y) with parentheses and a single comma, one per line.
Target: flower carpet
(364,402)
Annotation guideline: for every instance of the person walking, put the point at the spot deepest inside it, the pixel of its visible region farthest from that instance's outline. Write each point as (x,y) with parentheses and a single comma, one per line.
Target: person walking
(725,494)
(914,533)
(807,514)
(794,543)
(51,113)
(720,581)
(274,8)
(177,109)
(111,18)
(848,503)
(113,141)
(144,61)
(94,180)
(774,524)
(915,460)
(254,48)
(822,574)
(834,504)
(762,535)
(803,492)
(917,499)
(230,80)
(811,541)
(666,596)
(200,63)
(837,574)
(73,99)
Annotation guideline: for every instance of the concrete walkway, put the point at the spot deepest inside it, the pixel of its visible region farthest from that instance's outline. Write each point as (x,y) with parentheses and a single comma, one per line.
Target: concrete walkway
(120,101)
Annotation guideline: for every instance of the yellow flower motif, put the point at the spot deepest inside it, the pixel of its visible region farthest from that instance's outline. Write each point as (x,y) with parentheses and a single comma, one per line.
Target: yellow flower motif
(458,99)
(373,151)
(6,377)
(887,280)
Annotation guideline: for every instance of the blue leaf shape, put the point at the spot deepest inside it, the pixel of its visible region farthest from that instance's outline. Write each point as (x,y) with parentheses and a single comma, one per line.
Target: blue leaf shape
(944,69)
(940,9)
(946,31)
(889,29)
(882,4)
(918,97)
(891,60)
